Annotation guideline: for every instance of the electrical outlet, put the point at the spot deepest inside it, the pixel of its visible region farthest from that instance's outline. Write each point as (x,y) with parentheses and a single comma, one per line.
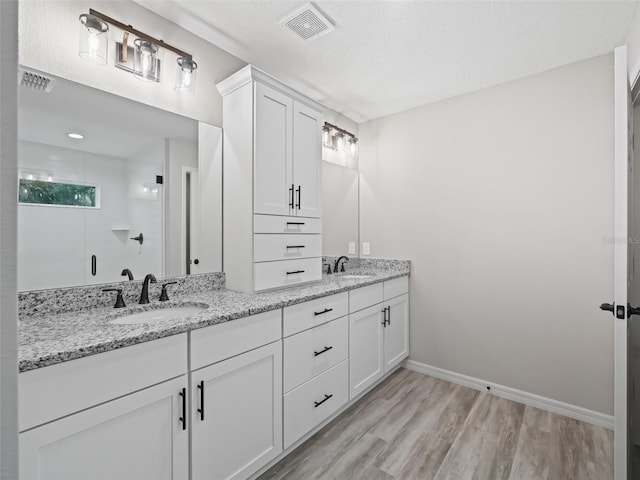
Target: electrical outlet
(366,248)
(352,248)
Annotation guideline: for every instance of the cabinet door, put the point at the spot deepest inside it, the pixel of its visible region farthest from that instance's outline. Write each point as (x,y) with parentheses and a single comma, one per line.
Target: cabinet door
(396,332)
(307,165)
(136,437)
(273,174)
(237,415)
(365,349)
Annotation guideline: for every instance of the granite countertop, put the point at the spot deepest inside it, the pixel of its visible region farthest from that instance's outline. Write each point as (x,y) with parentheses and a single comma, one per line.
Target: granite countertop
(48,339)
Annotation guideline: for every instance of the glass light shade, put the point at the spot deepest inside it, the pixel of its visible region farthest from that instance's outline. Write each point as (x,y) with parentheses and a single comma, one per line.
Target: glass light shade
(186,75)
(94,39)
(326,136)
(353,146)
(146,60)
(339,141)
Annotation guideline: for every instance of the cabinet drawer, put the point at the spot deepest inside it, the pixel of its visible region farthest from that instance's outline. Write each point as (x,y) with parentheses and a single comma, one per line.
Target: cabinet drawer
(303,316)
(286,224)
(218,342)
(285,273)
(268,247)
(52,392)
(396,287)
(310,353)
(364,297)
(311,403)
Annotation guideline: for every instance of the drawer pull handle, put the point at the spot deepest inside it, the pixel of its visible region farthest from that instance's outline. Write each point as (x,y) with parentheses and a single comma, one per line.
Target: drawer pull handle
(294,246)
(326,397)
(201,409)
(326,310)
(326,349)
(183,418)
(295,223)
(297,271)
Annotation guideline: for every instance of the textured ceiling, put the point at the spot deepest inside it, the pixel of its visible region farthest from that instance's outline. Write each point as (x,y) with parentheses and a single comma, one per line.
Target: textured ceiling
(389,56)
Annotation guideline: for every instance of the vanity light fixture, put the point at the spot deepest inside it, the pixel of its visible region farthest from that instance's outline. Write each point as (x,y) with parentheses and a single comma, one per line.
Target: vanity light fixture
(333,137)
(141,59)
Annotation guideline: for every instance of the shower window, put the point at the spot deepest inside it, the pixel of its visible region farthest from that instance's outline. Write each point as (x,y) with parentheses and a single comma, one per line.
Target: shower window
(49,192)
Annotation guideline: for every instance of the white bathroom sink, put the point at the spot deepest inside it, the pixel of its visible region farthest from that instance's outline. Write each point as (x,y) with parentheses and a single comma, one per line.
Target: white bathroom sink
(355,276)
(158,315)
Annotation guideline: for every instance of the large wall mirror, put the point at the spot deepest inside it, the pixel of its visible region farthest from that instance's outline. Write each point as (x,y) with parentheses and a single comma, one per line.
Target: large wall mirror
(340,224)
(140,191)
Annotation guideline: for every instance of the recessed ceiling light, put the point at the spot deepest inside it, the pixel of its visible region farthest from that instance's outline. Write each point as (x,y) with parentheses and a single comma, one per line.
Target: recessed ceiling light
(77,136)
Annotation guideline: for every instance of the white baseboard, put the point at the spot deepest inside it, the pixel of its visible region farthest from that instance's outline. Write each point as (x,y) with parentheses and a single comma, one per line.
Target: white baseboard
(544,403)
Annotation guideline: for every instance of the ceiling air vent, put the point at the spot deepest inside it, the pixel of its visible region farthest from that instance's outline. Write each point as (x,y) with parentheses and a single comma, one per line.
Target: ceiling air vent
(35,80)
(308,23)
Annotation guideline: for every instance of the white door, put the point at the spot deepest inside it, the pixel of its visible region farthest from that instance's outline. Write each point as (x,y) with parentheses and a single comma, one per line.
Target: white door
(237,415)
(273,168)
(396,331)
(137,437)
(623,275)
(365,348)
(307,164)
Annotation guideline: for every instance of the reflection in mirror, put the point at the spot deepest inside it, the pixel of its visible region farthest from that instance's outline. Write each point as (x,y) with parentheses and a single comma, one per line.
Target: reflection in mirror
(340,210)
(112,198)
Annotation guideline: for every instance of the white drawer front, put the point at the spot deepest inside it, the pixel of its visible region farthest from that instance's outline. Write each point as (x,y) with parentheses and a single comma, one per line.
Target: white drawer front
(364,297)
(268,247)
(218,342)
(285,273)
(310,353)
(282,224)
(52,392)
(396,287)
(303,316)
(311,403)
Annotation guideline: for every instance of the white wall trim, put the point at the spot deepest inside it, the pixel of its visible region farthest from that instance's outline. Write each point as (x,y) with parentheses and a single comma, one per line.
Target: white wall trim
(538,401)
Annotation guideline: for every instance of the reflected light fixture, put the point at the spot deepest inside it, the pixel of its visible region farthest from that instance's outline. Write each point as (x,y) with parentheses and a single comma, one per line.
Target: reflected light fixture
(94,39)
(326,136)
(353,142)
(339,141)
(141,59)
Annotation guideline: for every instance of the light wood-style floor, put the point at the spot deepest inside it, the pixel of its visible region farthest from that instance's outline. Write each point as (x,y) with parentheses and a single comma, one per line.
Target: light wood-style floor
(413,426)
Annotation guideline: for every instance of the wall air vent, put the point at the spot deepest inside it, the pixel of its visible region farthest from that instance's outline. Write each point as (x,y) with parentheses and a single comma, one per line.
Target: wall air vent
(35,80)
(308,22)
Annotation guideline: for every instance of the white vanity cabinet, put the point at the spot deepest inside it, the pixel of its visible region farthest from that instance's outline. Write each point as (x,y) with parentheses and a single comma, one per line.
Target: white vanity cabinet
(80,419)
(316,363)
(236,401)
(273,170)
(378,332)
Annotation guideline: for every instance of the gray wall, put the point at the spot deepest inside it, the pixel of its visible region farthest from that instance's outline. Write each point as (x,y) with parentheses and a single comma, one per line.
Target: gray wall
(8,216)
(503,200)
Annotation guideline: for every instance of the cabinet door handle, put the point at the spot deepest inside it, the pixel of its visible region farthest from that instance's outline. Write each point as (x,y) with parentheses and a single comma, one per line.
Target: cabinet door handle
(183,418)
(201,409)
(384,317)
(94,265)
(299,192)
(297,271)
(388,315)
(291,195)
(295,246)
(326,310)
(326,349)
(326,397)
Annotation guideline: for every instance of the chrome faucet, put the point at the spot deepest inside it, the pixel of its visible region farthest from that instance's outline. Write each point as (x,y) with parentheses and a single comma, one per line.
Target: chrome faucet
(144,296)
(337,264)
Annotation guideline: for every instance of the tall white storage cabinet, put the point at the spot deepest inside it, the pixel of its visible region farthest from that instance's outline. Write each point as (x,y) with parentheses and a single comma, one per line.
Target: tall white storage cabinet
(272,183)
